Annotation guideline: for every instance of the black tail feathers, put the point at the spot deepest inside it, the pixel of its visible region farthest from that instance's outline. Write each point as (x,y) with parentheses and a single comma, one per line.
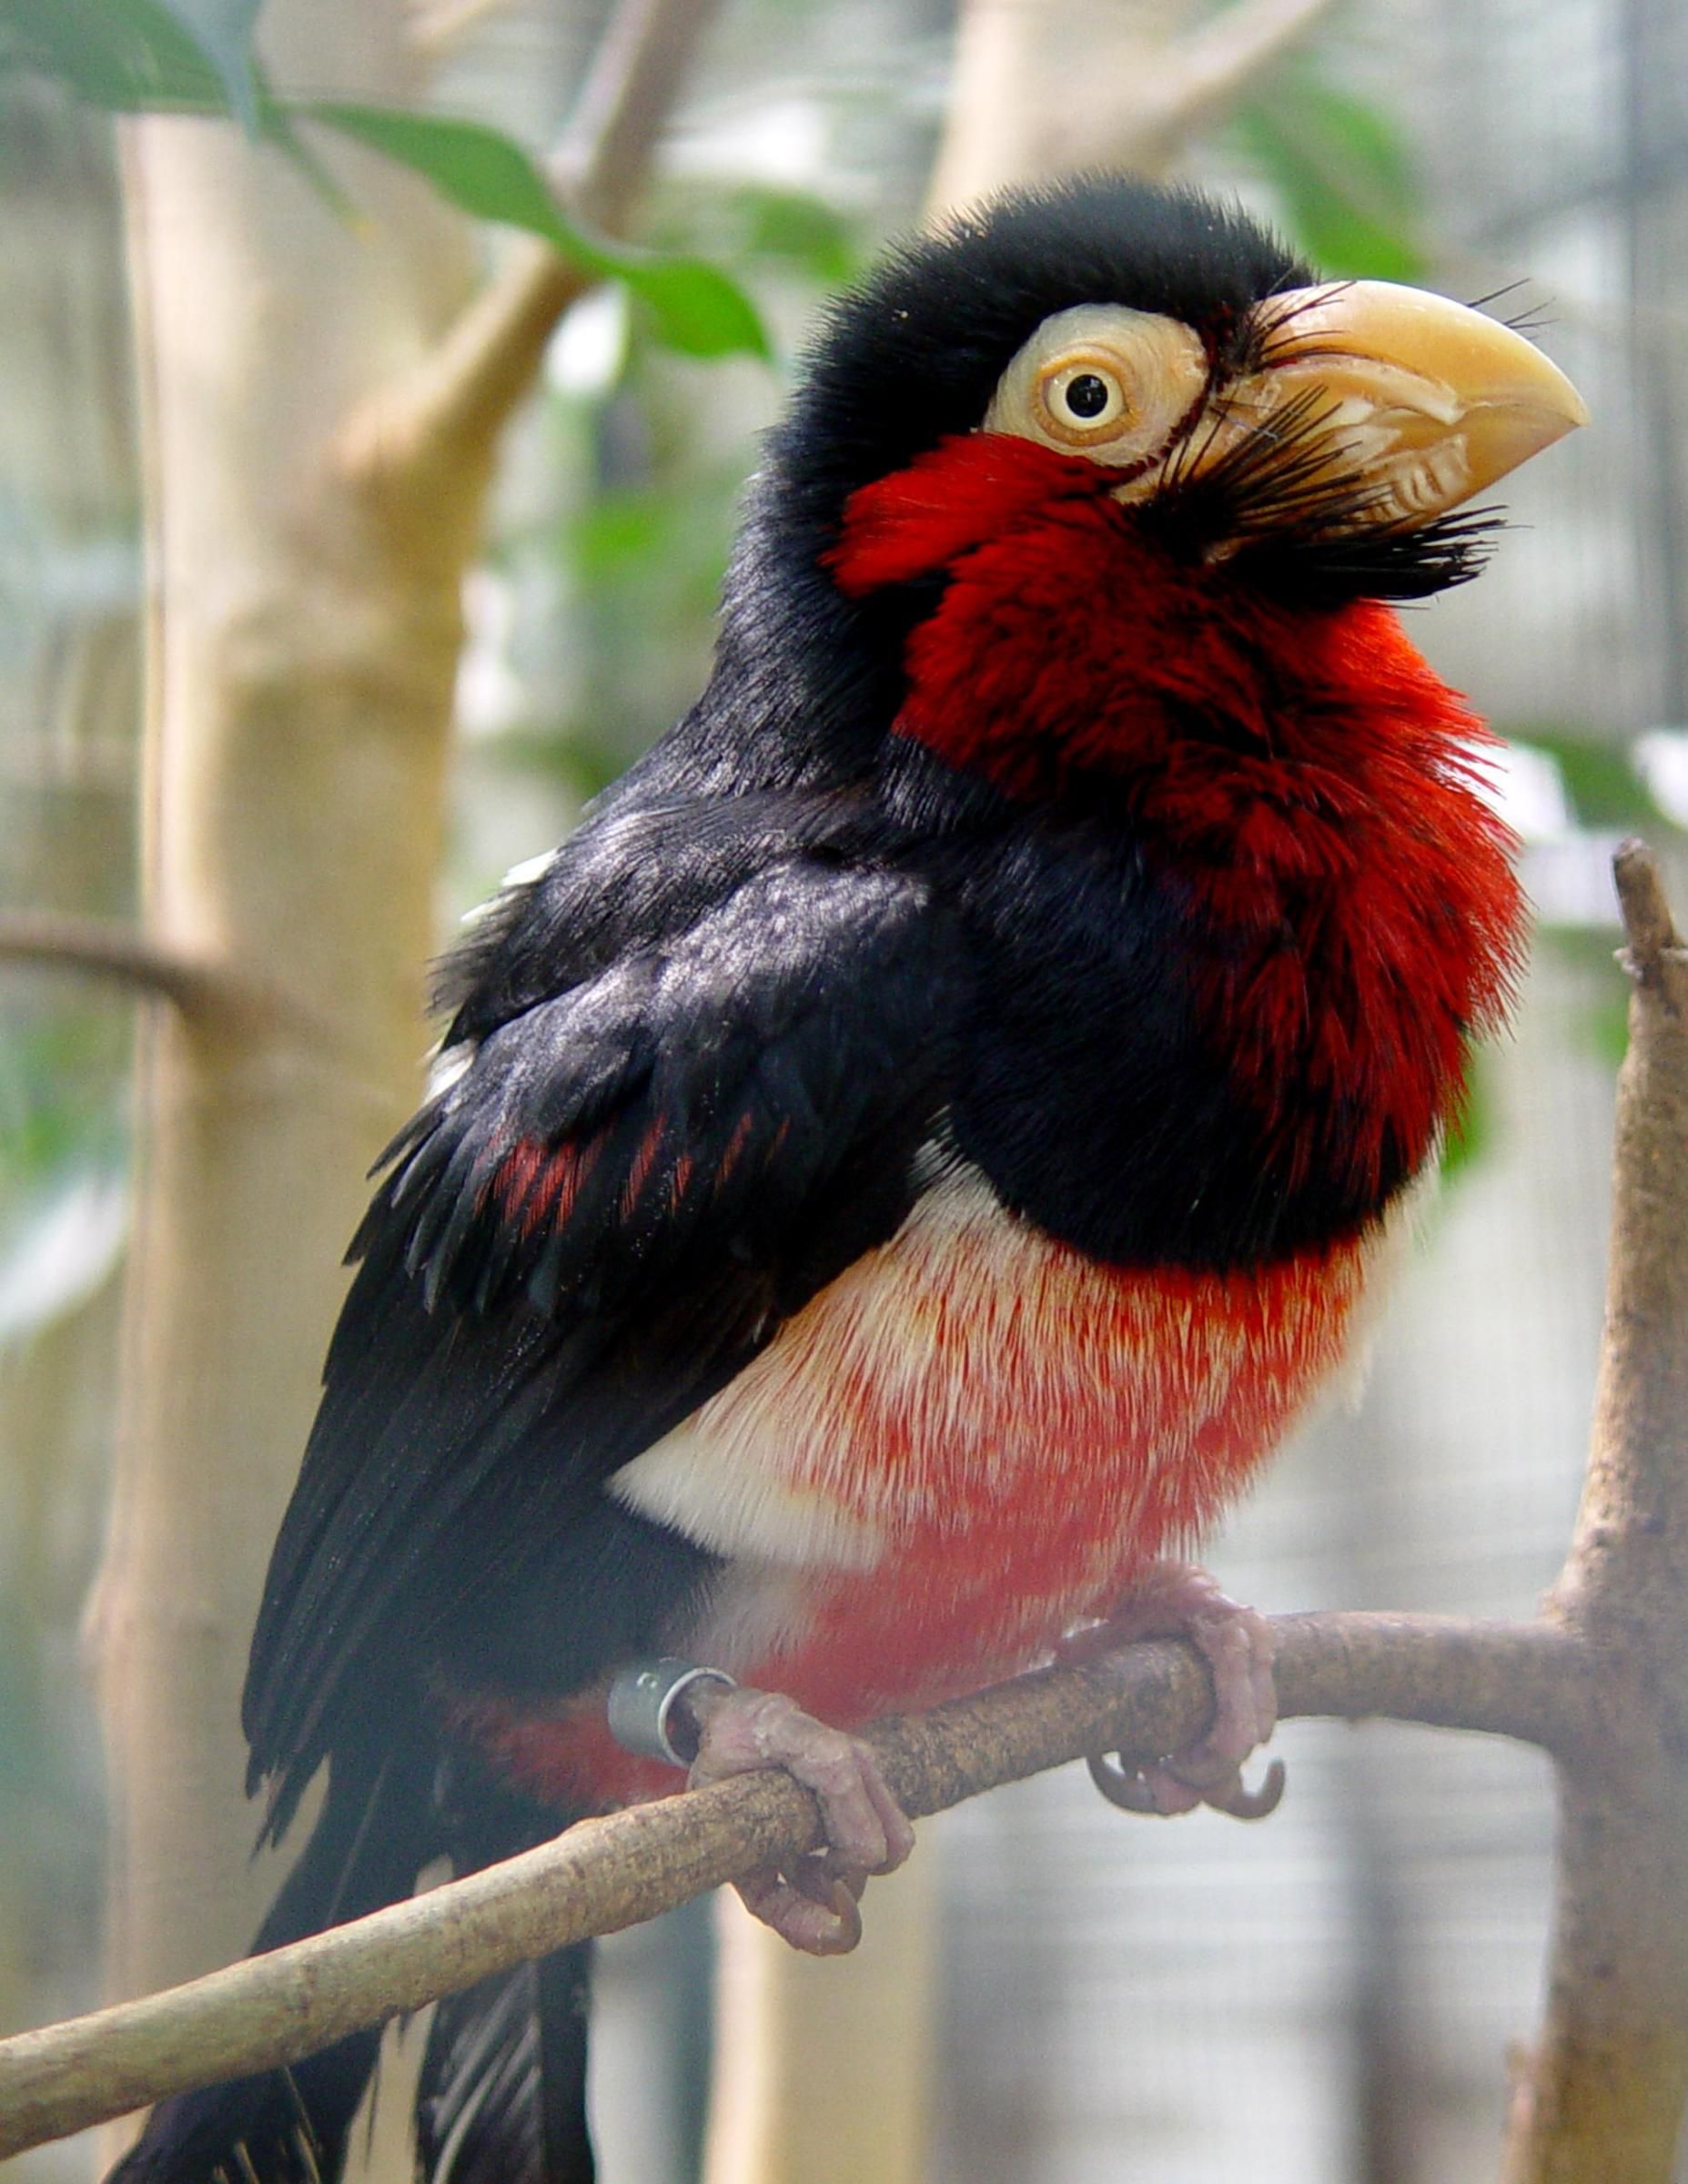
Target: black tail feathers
(283,2126)
(502,2094)
(503,2097)
(290,2125)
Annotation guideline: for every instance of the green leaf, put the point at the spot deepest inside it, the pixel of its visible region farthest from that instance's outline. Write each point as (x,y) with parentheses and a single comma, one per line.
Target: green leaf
(1471,1132)
(1344,172)
(796,229)
(119,54)
(1600,780)
(127,55)
(479,170)
(696,308)
(222,29)
(618,530)
(800,227)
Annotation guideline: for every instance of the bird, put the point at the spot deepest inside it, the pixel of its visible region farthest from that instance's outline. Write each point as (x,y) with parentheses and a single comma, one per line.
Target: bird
(892,1176)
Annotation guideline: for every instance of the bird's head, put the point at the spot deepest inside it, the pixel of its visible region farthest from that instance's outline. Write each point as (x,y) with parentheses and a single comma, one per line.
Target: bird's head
(1102,424)
(1319,435)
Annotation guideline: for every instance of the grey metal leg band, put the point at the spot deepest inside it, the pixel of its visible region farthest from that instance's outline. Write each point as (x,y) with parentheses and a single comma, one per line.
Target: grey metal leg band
(642,1702)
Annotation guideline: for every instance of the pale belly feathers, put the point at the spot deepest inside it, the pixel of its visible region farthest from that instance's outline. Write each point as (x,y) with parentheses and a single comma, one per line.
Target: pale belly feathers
(965,1444)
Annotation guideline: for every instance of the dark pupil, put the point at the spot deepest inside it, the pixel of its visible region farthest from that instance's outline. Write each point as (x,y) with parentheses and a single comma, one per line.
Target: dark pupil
(1086,396)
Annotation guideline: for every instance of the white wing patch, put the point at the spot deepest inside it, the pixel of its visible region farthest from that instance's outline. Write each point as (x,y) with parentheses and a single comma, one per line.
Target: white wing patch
(724,1489)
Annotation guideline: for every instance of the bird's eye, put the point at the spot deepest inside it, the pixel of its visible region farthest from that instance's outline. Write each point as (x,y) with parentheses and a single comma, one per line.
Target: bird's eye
(1103,381)
(1083,399)
(1087,396)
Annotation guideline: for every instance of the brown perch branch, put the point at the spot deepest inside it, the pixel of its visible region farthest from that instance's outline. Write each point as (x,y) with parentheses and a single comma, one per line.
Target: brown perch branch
(1601,2100)
(1519,1680)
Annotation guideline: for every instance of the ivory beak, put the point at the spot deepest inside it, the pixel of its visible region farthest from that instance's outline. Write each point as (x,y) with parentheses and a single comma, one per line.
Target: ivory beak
(1421,402)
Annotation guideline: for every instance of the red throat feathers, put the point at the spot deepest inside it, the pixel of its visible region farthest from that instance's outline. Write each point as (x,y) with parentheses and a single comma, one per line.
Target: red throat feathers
(1315,786)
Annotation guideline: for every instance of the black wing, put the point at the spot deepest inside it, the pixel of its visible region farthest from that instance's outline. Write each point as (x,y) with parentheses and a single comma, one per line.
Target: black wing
(580,1240)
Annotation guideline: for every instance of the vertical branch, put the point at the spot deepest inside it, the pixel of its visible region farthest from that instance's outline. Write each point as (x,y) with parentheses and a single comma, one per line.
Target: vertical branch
(824,2067)
(1048,86)
(1602,2099)
(313,500)
(300,689)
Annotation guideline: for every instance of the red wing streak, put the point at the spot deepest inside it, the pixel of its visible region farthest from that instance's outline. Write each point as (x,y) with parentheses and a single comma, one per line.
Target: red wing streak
(536,1185)
(639,1168)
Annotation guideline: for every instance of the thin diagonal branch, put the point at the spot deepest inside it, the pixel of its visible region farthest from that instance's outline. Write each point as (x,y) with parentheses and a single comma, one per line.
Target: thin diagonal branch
(1221,60)
(1520,1680)
(450,409)
(644,59)
(99,949)
(1048,86)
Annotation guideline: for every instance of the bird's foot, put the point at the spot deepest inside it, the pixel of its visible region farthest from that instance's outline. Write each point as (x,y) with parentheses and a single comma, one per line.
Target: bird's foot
(813,1903)
(1176,1600)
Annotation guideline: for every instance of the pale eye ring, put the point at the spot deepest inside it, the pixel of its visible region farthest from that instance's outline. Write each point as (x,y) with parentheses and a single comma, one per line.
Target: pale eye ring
(1083,399)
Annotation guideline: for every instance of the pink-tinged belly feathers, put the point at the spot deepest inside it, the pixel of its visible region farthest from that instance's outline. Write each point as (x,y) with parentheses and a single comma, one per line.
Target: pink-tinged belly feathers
(956,1451)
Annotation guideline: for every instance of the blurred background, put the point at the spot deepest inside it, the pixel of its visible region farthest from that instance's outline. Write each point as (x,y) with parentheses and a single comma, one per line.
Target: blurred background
(1326,2000)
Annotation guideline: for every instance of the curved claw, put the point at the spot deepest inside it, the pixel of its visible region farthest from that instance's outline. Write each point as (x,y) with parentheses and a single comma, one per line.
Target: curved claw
(1244,1804)
(782,1899)
(837,1892)
(814,1903)
(848,1912)
(1121,1786)
(1127,1788)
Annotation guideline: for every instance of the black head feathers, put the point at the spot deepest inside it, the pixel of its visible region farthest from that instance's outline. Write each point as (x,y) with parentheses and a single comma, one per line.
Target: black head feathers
(805,680)
(916,351)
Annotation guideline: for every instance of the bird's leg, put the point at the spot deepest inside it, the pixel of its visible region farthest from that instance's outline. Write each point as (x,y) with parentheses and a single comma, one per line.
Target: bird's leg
(1176,1600)
(813,1905)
